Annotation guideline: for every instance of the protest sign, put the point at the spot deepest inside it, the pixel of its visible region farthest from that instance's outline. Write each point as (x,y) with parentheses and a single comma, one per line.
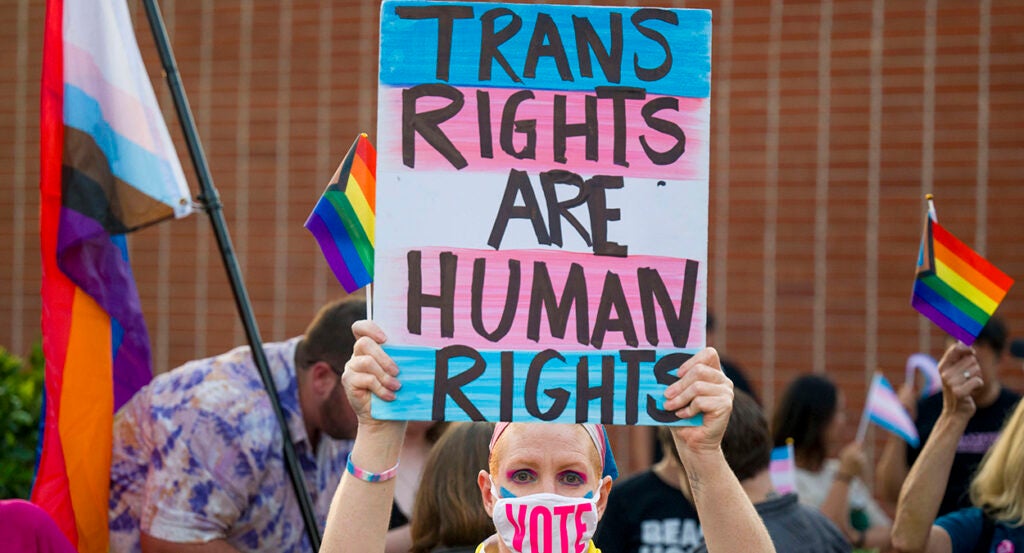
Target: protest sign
(542,208)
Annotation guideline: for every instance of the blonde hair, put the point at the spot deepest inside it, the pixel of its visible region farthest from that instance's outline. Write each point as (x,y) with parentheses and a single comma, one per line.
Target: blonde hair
(998,487)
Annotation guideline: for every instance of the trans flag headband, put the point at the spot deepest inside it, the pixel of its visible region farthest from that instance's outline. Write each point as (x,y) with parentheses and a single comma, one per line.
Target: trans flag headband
(597,434)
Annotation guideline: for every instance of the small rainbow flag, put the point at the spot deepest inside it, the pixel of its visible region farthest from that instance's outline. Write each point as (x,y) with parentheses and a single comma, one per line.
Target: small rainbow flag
(955,287)
(883,408)
(342,220)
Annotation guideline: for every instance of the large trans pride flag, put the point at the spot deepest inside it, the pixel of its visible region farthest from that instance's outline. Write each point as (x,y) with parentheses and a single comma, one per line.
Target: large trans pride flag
(542,208)
(108,167)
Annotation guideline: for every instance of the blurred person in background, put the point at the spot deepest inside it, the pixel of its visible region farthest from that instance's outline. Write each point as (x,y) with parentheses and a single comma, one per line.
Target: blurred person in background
(198,460)
(648,512)
(812,412)
(793,526)
(447,517)
(993,401)
(994,523)
(420,437)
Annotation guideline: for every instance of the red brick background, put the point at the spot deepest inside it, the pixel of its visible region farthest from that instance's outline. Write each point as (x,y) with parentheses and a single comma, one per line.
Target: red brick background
(830,121)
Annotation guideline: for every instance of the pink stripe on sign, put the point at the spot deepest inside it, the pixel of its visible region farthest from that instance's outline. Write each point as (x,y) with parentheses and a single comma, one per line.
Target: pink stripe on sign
(666,115)
(636,292)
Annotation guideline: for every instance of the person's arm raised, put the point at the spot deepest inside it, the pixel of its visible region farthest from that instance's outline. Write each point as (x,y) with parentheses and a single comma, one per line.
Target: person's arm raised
(728,518)
(913,530)
(360,510)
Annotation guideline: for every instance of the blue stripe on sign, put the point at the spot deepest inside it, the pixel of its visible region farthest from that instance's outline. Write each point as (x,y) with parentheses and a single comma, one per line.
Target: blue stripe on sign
(408,48)
(415,399)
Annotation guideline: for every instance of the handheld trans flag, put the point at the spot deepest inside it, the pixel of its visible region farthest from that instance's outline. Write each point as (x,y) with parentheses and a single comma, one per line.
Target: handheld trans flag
(929,369)
(342,221)
(955,287)
(883,408)
(783,468)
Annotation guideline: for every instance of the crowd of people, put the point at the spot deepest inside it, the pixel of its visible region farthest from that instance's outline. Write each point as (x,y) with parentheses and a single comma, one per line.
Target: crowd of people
(197,464)
(197,461)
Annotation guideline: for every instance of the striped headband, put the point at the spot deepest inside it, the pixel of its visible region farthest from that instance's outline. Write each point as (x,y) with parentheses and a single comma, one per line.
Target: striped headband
(598,435)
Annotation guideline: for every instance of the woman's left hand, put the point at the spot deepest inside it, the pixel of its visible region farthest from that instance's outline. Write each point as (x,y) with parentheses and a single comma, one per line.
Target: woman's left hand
(702,389)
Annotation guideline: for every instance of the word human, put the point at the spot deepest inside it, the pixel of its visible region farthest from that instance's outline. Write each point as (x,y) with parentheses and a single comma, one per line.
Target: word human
(613,312)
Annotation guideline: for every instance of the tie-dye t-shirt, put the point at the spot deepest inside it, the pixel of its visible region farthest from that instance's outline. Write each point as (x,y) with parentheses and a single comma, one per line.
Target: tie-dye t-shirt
(198,457)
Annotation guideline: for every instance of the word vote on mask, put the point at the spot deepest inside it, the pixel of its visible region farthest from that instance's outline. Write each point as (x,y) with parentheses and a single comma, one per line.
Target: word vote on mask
(546,522)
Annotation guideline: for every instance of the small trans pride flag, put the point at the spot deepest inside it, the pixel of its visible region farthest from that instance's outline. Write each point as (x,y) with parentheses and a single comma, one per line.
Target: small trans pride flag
(783,468)
(883,408)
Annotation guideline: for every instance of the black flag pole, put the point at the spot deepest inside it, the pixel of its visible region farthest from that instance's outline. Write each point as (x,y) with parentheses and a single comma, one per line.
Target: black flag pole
(210,201)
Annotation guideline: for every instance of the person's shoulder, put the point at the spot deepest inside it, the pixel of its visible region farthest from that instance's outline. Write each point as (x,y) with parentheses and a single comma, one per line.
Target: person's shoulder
(785,515)
(962,526)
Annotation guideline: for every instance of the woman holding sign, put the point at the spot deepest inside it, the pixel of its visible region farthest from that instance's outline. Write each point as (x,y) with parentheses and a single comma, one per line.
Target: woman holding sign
(544,489)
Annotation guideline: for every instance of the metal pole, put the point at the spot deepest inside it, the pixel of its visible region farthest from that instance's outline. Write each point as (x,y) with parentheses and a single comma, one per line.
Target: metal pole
(211,201)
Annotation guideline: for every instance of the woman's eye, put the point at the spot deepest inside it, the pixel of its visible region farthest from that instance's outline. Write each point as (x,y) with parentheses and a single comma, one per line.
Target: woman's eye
(573,479)
(522,476)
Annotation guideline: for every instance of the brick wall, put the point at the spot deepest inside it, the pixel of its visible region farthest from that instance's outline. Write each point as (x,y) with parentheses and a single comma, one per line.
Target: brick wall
(830,121)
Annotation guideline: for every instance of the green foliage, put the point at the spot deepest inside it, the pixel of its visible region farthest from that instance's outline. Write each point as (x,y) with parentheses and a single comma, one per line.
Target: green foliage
(21,398)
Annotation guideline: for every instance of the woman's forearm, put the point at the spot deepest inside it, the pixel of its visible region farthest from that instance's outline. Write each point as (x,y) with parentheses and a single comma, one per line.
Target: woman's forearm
(728,518)
(360,510)
(836,505)
(920,496)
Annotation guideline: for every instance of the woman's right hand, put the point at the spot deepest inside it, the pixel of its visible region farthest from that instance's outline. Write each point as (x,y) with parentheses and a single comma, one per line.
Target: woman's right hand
(370,371)
(851,461)
(961,377)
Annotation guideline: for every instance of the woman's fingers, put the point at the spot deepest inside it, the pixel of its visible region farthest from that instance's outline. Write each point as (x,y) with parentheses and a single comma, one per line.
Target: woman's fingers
(366,347)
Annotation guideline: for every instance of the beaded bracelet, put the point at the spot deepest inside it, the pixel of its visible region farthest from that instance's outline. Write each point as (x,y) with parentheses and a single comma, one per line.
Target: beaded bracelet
(368,476)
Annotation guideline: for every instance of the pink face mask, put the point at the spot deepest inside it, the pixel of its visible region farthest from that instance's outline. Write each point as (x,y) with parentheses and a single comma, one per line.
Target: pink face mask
(545,522)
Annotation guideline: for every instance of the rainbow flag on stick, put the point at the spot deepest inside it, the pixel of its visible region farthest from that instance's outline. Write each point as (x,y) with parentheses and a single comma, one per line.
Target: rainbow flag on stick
(107,167)
(955,287)
(342,220)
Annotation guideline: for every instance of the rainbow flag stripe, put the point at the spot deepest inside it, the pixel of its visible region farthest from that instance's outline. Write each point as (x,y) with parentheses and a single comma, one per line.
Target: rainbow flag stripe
(107,166)
(955,287)
(343,219)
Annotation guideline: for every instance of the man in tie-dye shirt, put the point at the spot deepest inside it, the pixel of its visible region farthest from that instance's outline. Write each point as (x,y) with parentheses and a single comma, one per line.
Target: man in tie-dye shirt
(198,453)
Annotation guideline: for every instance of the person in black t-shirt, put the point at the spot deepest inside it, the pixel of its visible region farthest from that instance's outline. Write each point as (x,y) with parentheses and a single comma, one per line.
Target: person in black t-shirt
(648,513)
(793,526)
(994,403)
